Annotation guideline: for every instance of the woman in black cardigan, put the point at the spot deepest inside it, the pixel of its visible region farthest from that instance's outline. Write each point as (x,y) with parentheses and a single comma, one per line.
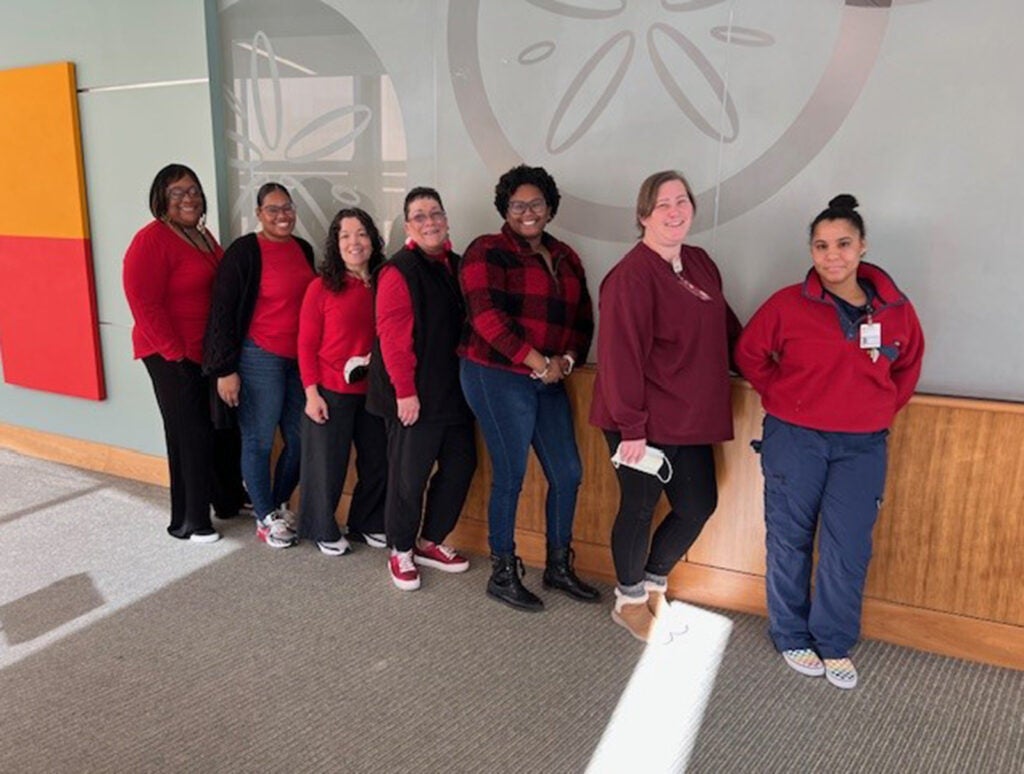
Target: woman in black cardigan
(251,348)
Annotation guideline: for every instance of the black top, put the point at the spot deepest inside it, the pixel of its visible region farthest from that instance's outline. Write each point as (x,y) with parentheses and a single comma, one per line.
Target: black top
(438,315)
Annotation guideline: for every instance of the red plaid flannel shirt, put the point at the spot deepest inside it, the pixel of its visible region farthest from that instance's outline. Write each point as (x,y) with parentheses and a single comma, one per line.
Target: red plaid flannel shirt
(514,302)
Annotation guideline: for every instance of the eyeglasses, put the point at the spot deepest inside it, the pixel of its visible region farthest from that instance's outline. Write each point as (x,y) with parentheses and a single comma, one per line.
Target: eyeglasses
(421,218)
(177,194)
(537,206)
(273,210)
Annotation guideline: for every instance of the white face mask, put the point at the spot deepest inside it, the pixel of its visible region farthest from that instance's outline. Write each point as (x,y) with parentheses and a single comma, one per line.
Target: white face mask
(652,463)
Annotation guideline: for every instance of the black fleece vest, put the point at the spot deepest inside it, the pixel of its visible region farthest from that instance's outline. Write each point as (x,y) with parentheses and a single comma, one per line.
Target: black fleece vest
(438,315)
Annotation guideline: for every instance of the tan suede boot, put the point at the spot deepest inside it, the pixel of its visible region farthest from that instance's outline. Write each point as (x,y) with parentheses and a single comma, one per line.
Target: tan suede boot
(634,615)
(657,601)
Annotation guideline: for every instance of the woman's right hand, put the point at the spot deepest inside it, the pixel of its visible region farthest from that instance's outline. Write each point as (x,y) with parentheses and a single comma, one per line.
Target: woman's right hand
(632,451)
(409,410)
(228,388)
(316,406)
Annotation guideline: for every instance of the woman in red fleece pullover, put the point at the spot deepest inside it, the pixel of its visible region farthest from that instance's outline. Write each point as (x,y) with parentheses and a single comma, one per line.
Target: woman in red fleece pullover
(168,276)
(834,358)
(336,330)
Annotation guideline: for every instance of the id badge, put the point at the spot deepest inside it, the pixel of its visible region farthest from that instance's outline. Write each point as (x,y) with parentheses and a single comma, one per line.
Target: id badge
(870,335)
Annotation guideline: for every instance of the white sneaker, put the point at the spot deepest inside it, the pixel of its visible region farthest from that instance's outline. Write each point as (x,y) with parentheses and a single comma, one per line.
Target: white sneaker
(840,672)
(274,532)
(289,518)
(338,547)
(375,539)
(805,661)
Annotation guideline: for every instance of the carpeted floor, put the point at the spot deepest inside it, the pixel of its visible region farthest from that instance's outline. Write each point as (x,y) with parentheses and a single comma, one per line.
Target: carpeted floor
(126,651)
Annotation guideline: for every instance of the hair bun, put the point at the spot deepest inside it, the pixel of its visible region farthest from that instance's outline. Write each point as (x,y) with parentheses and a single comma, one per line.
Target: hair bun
(843,202)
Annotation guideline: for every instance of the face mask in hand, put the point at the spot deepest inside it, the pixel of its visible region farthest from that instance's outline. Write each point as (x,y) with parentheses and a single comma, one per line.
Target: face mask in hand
(652,463)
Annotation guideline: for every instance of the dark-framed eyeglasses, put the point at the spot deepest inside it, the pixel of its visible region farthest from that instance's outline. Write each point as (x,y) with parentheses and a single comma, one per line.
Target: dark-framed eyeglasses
(536,206)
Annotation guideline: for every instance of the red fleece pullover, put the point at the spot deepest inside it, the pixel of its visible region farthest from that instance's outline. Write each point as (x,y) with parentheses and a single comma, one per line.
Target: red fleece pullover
(812,373)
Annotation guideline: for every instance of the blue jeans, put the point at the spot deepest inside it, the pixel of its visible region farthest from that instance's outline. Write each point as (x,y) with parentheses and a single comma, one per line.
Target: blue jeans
(271,397)
(516,412)
(830,483)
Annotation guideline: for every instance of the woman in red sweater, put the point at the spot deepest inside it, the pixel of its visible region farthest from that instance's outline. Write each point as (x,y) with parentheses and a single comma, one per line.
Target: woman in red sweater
(336,330)
(252,350)
(662,388)
(168,274)
(834,358)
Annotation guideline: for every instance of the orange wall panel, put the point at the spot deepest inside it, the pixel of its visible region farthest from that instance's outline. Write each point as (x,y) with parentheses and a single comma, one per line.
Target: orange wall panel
(49,334)
(40,148)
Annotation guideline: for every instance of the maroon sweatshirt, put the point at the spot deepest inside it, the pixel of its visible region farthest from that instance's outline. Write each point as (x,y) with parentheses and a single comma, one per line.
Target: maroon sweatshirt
(663,350)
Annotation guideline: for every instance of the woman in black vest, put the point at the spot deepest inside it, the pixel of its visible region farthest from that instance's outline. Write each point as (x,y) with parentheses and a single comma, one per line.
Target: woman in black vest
(414,385)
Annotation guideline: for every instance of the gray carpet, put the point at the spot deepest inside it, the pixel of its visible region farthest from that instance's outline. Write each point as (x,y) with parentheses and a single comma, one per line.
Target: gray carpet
(126,651)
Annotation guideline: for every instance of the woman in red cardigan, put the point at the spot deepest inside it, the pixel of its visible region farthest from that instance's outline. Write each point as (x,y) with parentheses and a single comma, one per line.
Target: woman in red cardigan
(168,275)
(336,330)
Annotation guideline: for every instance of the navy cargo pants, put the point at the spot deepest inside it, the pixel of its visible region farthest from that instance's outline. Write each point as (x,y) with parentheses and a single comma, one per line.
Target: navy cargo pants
(830,483)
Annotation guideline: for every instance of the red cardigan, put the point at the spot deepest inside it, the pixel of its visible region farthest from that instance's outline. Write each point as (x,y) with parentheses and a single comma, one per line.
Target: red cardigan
(168,284)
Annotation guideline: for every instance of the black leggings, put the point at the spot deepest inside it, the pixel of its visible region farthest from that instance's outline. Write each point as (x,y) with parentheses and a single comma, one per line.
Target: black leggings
(693,494)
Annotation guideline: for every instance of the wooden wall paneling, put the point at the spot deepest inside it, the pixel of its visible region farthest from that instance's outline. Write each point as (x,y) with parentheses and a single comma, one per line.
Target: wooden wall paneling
(950,534)
(734,536)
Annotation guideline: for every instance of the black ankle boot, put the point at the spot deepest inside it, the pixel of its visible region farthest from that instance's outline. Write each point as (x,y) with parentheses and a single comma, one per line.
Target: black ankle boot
(506,587)
(559,575)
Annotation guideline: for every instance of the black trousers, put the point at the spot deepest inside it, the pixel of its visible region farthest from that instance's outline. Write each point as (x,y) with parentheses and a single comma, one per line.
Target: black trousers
(412,452)
(228,494)
(182,393)
(693,494)
(325,453)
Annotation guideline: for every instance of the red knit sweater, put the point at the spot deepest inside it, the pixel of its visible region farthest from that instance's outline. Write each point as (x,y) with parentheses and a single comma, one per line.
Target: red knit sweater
(334,327)
(167,283)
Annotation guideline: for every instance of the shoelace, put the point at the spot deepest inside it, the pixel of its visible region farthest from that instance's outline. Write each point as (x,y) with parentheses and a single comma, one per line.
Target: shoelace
(279,528)
(405,562)
(448,551)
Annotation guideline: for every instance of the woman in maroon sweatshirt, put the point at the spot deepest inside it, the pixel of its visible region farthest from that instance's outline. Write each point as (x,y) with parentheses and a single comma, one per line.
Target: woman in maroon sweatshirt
(662,383)
(336,330)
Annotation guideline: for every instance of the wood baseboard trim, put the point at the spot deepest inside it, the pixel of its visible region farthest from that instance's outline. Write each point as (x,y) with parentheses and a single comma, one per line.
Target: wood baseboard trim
(88,455)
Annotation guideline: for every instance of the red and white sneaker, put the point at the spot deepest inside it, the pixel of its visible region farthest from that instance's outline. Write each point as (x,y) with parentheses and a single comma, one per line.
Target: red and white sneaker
(275,533)
(439,556)
(403,571)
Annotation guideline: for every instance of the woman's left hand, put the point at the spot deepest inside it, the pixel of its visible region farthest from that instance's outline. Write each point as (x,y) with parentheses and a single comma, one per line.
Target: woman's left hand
(632,451)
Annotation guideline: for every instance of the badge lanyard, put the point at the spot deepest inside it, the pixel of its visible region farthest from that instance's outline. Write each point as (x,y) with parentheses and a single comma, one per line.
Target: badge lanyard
(871,335)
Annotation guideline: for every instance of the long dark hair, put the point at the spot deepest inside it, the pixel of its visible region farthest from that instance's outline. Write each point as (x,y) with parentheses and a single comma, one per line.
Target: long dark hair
(332,270)
(172,173)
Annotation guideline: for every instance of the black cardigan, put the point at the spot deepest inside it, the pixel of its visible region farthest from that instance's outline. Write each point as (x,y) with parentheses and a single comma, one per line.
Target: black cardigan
(235,290)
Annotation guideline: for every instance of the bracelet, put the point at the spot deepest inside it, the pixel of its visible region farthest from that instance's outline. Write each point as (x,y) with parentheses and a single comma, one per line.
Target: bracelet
(542,374)
(572,363)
